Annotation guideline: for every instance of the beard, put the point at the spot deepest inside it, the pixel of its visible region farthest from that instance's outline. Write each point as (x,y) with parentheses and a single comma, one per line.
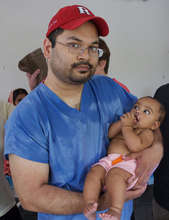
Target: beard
(72,76)
(82,76)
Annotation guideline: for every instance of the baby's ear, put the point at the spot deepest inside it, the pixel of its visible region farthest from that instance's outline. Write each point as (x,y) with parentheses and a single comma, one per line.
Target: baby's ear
(155,125)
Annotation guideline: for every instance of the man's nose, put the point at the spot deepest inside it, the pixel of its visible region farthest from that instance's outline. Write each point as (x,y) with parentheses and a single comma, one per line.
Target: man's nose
(83,53)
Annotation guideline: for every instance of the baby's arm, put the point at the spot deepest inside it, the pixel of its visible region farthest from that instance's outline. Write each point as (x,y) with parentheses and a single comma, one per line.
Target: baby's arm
(136,143)
(114,129)
(133,141)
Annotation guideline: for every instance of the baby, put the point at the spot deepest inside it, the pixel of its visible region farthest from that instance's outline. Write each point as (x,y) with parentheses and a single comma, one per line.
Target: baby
(132,133)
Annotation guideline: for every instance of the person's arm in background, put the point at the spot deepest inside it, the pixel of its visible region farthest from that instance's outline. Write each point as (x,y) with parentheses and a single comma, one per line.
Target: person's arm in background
(8,108)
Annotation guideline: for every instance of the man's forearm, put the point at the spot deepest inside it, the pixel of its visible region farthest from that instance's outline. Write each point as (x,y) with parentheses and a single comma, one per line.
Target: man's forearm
(54,200)
(148,159)
(156,150)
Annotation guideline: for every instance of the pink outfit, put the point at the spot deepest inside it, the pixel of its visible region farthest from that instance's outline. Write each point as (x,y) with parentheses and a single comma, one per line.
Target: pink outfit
(129,166)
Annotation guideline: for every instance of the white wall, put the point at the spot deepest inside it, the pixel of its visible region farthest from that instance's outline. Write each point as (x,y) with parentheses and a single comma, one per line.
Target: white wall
(138,39)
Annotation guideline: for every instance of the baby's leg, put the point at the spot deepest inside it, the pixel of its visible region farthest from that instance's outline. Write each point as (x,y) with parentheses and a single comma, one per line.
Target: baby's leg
(93,185)
(116,185)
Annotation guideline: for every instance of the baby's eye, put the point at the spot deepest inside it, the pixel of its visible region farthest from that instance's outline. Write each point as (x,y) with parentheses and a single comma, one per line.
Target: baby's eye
(136,107)
(147,112)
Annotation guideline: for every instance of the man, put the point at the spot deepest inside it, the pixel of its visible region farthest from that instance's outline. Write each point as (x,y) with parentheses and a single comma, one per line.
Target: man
(60,128)
(161,177)
(103,63)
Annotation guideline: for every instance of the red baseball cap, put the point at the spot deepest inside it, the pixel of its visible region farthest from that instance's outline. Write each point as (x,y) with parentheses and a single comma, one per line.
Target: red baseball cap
(71,17)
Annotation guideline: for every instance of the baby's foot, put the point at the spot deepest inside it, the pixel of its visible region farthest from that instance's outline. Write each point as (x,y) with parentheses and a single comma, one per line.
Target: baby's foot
(90,211)
(111,214)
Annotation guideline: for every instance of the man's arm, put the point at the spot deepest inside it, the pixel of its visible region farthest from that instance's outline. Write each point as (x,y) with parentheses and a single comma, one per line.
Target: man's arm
(148,159)
(105,200)
(31,184)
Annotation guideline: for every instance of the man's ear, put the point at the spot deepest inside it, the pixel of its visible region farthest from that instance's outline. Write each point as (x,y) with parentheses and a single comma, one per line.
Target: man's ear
(47,47)
(155,125)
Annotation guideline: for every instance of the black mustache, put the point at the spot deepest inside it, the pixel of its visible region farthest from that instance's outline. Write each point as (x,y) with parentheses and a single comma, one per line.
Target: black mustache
(82,63)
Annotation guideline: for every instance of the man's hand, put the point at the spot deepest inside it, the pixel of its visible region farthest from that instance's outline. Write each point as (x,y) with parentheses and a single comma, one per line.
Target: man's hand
(135,192)
(105,199)
(32,79)
(147,160)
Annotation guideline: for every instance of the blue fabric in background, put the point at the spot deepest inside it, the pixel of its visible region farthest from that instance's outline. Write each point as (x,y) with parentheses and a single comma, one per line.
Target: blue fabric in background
(151,180)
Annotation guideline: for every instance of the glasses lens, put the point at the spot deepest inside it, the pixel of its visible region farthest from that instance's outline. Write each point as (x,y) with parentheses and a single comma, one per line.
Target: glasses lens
(100,52)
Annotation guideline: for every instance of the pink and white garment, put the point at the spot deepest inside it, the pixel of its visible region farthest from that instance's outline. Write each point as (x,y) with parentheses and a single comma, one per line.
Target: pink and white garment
(129,166)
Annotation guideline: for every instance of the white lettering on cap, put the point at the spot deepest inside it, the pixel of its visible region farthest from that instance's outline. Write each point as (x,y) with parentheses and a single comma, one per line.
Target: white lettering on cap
(83,10)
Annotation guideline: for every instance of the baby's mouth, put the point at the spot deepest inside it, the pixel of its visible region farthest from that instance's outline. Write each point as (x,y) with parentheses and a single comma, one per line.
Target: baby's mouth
(136,117)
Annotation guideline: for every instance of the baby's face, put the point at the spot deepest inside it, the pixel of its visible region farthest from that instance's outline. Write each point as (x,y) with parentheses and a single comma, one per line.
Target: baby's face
(146,112)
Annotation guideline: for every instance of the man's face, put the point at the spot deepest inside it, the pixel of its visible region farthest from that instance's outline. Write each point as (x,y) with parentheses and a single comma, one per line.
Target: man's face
(69,66)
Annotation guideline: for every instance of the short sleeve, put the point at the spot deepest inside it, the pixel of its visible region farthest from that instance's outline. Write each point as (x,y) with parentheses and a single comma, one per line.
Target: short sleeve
(25,135)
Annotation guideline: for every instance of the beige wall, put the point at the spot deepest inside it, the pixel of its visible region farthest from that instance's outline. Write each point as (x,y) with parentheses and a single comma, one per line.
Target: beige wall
(138,39)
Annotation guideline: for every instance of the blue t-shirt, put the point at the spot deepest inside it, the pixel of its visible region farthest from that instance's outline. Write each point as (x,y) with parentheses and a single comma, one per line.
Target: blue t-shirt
(44,129)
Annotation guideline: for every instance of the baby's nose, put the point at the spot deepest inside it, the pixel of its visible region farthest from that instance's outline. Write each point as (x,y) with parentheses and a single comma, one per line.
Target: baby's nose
(137,112)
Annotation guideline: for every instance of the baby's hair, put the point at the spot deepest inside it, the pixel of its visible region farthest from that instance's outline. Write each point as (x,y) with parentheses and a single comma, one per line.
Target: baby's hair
(17,92)
(162,111)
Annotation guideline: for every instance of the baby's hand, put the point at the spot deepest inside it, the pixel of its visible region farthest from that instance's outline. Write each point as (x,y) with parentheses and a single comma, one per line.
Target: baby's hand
(127,120)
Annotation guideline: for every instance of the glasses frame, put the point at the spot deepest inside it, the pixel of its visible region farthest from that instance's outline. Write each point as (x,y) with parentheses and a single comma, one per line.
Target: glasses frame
(81,49)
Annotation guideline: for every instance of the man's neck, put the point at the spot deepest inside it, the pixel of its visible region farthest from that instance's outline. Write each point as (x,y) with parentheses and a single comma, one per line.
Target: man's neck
(101,73)
(69,93)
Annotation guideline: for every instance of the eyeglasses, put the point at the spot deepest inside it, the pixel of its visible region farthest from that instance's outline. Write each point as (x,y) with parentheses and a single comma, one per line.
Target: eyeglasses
(75,48)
